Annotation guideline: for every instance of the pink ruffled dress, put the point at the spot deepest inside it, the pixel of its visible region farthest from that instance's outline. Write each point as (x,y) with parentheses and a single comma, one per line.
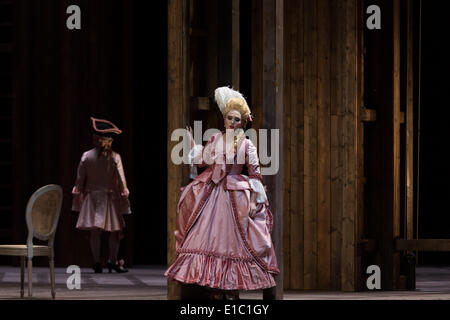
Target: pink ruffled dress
(218,243)
(100,193)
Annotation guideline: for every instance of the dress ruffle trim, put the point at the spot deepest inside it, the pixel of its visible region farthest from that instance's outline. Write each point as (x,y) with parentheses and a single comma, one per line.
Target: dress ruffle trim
(217,271)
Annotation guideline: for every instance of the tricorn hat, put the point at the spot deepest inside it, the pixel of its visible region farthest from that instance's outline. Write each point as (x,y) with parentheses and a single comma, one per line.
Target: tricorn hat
(105,128)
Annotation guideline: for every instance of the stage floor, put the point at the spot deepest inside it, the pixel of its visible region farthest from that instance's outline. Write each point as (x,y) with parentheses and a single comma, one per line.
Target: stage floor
(149,283)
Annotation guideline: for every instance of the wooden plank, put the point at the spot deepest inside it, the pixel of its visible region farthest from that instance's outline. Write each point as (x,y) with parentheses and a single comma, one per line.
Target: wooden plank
(409,154)
(422,245)
(288,114)
(177,100)
(361,180)
(294,68)
(278,291)
(389,125)
(225,42)
(235,44)
(401,117)
(257,63)
(310,144)
(324,147)
(396,135)
(349,103)
(273,119)
(297,214)
(385,131)
(335,144)
(368,245)
(212,47)
(368,115)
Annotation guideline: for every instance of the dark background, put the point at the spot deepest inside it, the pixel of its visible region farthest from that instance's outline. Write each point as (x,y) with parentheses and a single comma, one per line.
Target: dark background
(434,168)
(53,79)
(150,127)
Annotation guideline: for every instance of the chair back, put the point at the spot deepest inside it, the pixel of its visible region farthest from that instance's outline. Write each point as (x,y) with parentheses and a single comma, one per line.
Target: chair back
(42,213)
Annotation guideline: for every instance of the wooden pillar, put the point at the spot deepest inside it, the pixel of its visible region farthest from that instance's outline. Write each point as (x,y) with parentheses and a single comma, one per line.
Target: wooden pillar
(389,126)
(349,118)
(409,223)
(235,44)
(267,89)
(212,47)
(323,147)
(277,292)
(337,35)
(293,243)
(177,108)
(361,179)
(310,136)
(396,137)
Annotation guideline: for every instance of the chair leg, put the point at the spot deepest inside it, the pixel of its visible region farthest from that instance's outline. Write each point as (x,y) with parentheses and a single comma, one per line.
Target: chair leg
(30,277)
(22,274)
(52,276)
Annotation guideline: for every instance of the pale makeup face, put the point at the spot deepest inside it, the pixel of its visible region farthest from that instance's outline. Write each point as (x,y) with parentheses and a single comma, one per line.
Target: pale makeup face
(233,120)
(104,143)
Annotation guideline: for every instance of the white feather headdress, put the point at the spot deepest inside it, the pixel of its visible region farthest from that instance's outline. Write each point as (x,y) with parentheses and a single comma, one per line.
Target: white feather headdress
(223,94)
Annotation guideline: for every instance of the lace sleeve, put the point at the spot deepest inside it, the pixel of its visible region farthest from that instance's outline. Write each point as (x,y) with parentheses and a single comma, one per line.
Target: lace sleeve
(252,162)
(200,156)
(254,173)
(257,187)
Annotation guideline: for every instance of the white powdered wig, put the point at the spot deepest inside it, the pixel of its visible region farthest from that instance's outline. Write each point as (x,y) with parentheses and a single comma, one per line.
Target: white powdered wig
(223,94)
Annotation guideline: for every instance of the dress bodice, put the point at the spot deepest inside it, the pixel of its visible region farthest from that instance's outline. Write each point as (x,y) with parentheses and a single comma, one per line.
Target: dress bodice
(225,161)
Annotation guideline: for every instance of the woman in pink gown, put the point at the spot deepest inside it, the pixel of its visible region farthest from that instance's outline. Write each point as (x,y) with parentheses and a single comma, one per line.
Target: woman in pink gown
(224,223)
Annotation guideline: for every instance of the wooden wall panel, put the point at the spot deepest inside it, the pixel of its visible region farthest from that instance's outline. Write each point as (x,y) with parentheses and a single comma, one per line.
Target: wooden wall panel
(336,168)
(323,94)
(310,138)
(324,147)
(361,260)
(294,127)
(257,80)
(350,107)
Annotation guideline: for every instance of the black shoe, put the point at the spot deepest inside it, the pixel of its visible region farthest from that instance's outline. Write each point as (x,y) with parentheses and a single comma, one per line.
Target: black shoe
(116,268)
(98,268)
(216,294)
(232,295)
